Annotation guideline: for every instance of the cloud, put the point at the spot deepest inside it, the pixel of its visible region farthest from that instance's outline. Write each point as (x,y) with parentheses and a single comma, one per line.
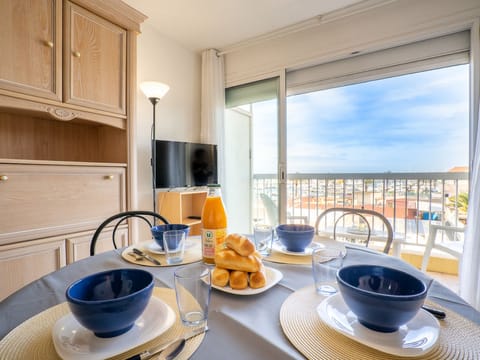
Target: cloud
(414,123)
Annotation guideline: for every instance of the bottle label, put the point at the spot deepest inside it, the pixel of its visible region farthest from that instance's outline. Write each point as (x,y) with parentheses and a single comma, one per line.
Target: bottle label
(212,240)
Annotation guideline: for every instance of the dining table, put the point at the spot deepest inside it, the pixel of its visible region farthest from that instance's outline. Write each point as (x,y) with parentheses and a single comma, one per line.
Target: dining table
(278,323)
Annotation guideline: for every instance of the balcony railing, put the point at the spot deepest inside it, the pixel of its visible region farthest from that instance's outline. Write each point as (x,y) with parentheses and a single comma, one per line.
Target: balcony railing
(411,201)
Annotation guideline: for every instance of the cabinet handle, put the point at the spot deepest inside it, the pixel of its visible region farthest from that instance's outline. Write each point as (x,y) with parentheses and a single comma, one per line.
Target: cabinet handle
(3,177)
(108,177)
(76,54)
(49,44)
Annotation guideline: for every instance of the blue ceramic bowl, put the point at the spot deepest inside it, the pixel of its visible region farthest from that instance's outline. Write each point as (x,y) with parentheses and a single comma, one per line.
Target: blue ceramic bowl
(382,298)
(295,237)
(158,230)
(109,302)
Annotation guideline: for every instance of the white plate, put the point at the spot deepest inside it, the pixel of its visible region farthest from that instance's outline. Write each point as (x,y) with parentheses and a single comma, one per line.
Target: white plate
(153,247)
(273,277)
(415,338)
(73,341)
(308,250)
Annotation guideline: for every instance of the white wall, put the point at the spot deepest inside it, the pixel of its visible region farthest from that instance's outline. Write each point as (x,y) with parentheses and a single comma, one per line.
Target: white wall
(395,23)
(177,114)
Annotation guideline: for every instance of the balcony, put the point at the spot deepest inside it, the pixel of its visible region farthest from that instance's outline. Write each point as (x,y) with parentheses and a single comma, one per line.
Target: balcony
(410,201)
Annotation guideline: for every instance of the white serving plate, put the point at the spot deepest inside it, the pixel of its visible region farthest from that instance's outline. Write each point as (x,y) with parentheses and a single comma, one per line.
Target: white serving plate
(273,277)
(415,338)
(153,247)
(73,341)
(308,250)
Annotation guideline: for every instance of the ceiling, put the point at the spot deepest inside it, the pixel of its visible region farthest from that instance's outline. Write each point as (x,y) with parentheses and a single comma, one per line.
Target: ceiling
(203,24)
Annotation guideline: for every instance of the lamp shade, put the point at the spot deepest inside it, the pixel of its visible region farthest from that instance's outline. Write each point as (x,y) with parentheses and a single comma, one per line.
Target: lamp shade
(154,89)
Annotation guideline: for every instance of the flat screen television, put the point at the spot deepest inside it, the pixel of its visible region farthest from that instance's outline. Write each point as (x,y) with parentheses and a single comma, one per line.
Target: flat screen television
(185,164)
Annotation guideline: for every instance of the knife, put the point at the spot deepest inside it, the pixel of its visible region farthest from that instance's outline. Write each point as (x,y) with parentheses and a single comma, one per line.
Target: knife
(173,350)
(147,354)
(439,314)
(146,256)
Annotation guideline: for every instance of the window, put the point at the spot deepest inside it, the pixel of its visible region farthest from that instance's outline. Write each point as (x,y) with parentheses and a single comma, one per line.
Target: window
(410,123)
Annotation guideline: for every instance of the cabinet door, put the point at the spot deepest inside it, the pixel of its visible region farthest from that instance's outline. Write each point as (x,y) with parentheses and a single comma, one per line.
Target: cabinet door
(46,200)
(78,246)
(25,262)
(30,39)
(95,61)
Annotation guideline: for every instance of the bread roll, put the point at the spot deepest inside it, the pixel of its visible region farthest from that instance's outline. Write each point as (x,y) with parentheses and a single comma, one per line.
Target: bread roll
(229,259)
(258,279)
(241,244)
(238,280)
(220,276)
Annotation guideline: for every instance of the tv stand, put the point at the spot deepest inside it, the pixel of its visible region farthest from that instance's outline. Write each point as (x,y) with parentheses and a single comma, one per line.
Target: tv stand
(182,207)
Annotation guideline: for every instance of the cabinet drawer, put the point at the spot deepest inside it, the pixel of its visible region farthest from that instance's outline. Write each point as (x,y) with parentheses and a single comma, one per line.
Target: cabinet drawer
(44,200)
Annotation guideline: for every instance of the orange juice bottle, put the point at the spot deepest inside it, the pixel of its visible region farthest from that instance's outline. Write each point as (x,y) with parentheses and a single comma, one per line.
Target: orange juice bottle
(214,224)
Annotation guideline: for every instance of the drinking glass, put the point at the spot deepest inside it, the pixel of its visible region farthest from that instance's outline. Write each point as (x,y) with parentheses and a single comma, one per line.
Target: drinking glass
(325,263)
(263,238)
(192,289)
(174,246)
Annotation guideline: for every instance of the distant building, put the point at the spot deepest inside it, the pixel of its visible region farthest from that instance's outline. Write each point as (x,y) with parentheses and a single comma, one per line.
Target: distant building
(462,185)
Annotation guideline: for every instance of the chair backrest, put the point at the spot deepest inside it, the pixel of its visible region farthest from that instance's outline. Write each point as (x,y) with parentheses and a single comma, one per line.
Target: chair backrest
(363,214)
(119,218)
(271,208)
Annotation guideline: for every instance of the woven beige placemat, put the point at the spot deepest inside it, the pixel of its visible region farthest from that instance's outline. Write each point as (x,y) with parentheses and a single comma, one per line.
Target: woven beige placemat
(193,253)
(33,338)
(459,337)
(283,258)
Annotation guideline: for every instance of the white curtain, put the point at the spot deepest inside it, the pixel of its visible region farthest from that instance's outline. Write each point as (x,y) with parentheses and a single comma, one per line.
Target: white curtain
(213,105)
(470,267)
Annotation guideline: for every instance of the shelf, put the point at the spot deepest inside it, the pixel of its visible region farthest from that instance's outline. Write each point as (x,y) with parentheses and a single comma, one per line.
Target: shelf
(177,206)
(60,163)
(191,222)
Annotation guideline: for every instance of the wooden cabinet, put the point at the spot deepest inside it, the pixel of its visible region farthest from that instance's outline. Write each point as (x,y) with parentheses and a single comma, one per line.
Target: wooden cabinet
(67,106)
(93,70)
(183,207)
(95,60)
(23,263)
(31,47)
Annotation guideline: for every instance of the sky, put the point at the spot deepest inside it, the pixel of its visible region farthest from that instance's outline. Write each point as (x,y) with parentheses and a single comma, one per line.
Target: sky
(411,123)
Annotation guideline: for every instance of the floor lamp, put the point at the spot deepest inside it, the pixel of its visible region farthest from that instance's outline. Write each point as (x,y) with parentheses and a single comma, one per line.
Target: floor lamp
(154,91)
